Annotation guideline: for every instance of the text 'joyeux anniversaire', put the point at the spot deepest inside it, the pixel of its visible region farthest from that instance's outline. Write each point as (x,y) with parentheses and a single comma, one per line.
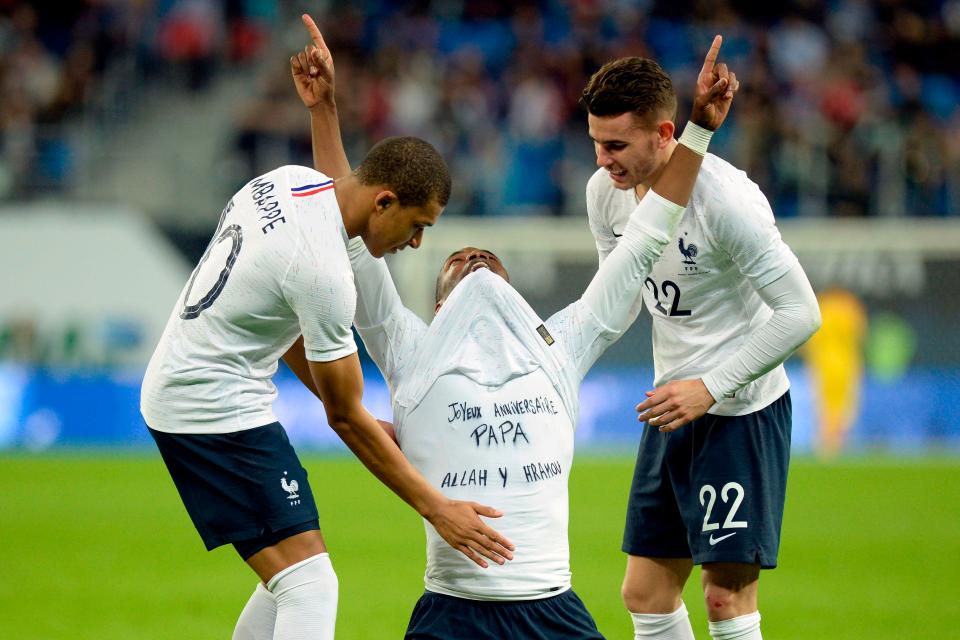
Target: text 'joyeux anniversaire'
(507,430)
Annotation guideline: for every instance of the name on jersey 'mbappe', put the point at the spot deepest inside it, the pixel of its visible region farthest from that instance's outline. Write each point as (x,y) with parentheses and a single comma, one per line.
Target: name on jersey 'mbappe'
(268,207)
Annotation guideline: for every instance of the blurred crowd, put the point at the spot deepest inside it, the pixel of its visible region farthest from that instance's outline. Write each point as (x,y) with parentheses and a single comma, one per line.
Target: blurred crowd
(848,107)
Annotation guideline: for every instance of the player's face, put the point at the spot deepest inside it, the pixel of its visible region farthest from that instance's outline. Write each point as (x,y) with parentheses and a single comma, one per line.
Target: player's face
(394,228)
(462,263)
(627,146)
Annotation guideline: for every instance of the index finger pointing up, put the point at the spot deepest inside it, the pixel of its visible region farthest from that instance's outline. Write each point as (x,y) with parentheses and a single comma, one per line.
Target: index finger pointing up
(711,58)
(318,39)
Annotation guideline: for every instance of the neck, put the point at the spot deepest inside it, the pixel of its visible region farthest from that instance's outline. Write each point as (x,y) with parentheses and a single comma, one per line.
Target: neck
(662,160)
(351,196)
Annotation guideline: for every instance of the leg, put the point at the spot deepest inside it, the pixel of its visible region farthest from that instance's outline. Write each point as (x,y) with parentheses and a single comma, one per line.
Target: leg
(652,591)
(733,506)
(655,537)
(730,592)
(273,559)
(248,488)
(730,589)
(654,585)
(258,617)
(300,577)
(300,581)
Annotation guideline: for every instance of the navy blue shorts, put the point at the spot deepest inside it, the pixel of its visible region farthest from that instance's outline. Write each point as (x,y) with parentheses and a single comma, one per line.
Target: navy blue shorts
(443,617)
(247,488)
(713,490)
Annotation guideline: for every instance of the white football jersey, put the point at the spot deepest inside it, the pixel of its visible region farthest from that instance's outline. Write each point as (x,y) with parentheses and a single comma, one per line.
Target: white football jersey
(276,268)
(485,401)
(508,446)
(702,292)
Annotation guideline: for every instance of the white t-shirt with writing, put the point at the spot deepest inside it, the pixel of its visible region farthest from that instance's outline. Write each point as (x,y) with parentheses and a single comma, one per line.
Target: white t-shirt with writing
(485,400)
(277,267)
(509,446)
(702,293)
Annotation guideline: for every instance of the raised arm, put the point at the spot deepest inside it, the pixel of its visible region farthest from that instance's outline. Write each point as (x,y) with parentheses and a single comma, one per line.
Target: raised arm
(795,317)
(314,77)
(388,329)
(610,296)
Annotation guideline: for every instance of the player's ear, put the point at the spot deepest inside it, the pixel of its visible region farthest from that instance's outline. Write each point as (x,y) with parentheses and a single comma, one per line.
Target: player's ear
(384,200)
(665,131)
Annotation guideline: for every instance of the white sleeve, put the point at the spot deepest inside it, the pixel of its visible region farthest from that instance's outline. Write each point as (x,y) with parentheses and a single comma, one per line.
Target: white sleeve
(796,316)
(742,223)
(607,308)
(605,238)
(324,302)
(602,233)
(389,330)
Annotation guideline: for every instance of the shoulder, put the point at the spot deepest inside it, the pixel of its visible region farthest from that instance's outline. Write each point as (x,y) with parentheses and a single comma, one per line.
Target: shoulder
(292,179)
(722,188)
(304,181)
(598,181)
(600,190)
(605,203)
(296,172)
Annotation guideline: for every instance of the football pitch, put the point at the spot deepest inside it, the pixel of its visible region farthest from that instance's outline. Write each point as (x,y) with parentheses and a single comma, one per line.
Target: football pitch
(97,545)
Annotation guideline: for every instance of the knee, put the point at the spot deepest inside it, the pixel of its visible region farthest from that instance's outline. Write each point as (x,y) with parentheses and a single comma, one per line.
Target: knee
(310,581)
(730,590)
(719,599)
(643,598)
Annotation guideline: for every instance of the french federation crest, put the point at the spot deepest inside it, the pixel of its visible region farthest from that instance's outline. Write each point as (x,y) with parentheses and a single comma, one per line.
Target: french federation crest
(689,251)
(291,488)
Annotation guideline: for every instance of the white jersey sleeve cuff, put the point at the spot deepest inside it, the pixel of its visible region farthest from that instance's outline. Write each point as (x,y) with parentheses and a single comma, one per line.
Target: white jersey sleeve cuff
(655,217)
(329,356)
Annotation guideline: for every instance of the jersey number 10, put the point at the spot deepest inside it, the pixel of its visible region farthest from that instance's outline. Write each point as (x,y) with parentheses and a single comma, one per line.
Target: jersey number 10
(235,234)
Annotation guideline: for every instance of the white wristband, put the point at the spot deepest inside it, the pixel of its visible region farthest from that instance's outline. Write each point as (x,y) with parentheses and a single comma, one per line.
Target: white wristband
(696,138)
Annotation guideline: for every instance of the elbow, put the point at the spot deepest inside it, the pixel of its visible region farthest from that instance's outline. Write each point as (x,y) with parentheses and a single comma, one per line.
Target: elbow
(340,420)
(812,322)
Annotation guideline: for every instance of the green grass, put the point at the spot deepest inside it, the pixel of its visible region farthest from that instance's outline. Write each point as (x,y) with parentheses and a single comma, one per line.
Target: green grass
(97,545)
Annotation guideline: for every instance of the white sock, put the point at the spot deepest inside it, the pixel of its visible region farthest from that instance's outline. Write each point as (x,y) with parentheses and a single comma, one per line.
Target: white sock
(663,626)
(306,596)
(745,627)
(257,619)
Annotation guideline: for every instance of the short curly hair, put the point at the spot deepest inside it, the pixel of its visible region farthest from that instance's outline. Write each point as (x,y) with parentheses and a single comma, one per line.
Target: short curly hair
(411,167)
(637,85)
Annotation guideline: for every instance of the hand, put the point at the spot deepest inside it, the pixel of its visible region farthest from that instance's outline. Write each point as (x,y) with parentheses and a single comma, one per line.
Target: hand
(674,404)
(389,430)
(460,525)
(312,69)
(716,86)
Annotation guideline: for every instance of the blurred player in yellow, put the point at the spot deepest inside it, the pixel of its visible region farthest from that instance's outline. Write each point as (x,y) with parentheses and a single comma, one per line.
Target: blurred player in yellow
(835,357)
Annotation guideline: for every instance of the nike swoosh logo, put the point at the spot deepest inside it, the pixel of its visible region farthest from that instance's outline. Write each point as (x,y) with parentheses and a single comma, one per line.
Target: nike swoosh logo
(616,235)
(714,541)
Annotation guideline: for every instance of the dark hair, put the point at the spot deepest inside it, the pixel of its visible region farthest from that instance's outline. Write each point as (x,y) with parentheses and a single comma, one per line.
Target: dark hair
(637,85)
(409,166)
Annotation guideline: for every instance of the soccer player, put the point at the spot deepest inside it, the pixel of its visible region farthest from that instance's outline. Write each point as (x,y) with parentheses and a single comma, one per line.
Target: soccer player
(485,397)
(729,303)
(276,281)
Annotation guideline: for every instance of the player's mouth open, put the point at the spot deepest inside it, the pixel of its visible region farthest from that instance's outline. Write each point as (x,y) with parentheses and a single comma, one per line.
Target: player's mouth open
(478,264)
(617,175)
